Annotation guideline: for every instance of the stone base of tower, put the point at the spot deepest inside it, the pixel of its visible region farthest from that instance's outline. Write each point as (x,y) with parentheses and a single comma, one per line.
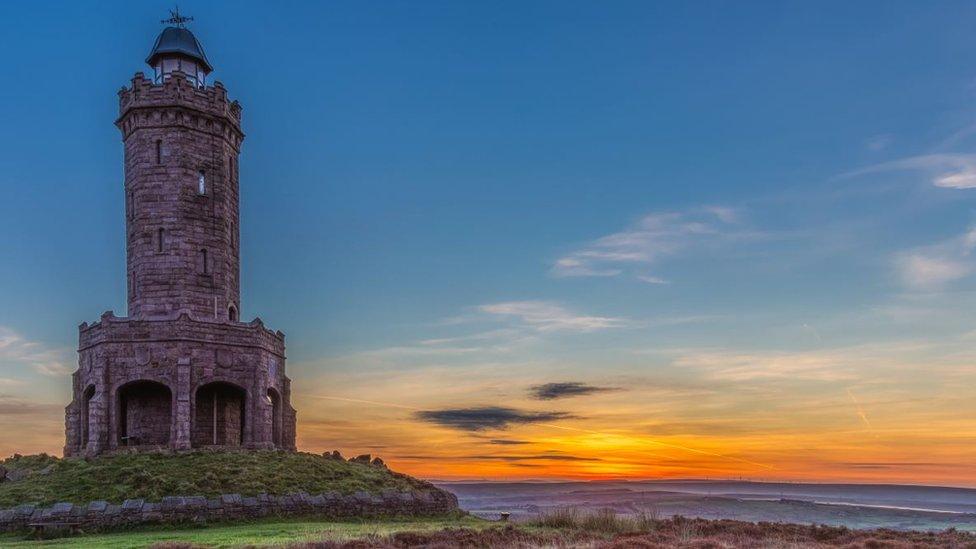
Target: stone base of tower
(178,383)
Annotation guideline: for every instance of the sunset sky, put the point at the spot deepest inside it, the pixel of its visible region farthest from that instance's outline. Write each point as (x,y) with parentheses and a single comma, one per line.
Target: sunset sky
(530,240)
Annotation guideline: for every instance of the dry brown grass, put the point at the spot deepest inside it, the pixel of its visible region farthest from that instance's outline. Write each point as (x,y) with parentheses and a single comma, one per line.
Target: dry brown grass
(565,528)
(607,530)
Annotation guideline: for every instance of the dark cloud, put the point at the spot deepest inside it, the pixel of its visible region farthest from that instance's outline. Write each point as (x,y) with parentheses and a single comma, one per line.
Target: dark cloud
(535,457)
(551,391)
(502,457)
(507,442)
(489,417)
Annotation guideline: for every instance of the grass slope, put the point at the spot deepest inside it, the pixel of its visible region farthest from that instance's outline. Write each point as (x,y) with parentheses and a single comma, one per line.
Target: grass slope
(206,473)
(260,533)
(603,530)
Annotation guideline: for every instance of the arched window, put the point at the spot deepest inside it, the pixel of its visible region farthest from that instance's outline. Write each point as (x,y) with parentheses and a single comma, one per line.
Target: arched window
(232,313)
(202,183)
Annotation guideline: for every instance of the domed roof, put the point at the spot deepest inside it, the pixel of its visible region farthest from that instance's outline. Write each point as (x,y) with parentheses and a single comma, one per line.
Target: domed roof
(179,41)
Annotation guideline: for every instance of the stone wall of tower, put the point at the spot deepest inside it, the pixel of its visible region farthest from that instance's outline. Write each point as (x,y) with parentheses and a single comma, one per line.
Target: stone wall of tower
(152,383)
(182,244)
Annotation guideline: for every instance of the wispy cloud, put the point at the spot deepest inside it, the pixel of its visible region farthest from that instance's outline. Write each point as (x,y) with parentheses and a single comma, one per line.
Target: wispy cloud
(488,417)
(634,249)
(879,142)
(545,316)
(552,391)
(732,366)
(947,170)
(16,349)
(932,267)
(14,406)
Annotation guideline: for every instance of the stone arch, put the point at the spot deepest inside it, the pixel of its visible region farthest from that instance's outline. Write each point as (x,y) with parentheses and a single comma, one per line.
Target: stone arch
(85,415)
(220,415)
(145,413)
(274,399)
(232,313)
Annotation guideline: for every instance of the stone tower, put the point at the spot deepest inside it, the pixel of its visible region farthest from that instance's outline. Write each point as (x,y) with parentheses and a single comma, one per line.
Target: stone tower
(181,371)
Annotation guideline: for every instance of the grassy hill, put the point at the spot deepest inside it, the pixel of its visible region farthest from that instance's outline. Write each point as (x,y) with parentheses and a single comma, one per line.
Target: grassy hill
(206,473)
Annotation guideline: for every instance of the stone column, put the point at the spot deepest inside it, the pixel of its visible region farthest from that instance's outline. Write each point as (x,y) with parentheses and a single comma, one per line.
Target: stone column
(182,421)
(72,434)
(97,421)
(252,436)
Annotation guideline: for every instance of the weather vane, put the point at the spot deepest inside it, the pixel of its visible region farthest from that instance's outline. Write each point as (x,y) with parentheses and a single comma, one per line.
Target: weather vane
(176,18)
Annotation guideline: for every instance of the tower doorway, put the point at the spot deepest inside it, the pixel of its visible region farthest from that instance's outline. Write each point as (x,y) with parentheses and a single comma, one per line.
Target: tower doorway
(220,416)
(145,414)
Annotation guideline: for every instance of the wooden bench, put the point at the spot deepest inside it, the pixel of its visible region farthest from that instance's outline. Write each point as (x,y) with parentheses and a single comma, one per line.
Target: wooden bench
(41,529)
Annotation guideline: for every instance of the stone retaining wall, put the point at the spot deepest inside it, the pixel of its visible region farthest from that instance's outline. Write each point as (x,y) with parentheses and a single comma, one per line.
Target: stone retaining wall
(100,515)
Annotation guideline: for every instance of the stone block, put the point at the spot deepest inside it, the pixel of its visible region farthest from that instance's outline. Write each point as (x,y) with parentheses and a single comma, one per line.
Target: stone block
(172,502)
(230,499)
(97,506)
(196,502)
(132,505)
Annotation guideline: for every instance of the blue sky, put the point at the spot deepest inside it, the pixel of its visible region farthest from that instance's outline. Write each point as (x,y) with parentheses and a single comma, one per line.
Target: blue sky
(611,193)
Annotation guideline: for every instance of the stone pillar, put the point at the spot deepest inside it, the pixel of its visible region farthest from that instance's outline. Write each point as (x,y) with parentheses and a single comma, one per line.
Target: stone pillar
(71,431)
(289,417)
(97,422)
(252,437)
(180,429)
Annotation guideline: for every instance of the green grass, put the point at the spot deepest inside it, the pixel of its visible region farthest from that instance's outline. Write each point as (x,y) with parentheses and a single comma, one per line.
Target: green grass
(152,476)
(272,532)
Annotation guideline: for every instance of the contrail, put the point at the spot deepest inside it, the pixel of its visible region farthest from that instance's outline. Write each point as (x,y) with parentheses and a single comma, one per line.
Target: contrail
(666,444)
(860,411)
(361,401)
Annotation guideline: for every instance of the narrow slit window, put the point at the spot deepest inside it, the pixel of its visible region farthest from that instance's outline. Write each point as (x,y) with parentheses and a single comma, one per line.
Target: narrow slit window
(132,205)
(203,262)
(202,183)
(159,152)
(159,241)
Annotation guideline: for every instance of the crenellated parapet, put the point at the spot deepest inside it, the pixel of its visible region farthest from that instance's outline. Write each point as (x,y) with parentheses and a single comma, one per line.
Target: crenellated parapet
(180,327)
(178,102)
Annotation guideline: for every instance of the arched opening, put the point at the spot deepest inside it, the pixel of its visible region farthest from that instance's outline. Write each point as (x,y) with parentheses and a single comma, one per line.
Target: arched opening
(232,313)
(145,414)
(219,418)
(86,398)
(275,402)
